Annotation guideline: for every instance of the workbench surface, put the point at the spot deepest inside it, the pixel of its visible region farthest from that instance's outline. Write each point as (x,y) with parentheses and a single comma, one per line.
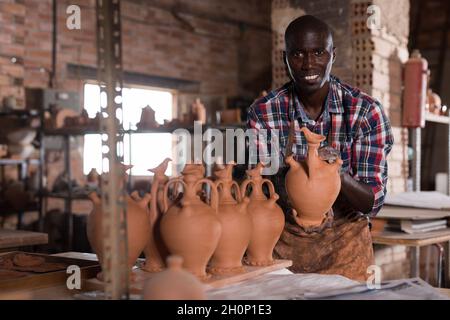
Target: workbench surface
(21,238)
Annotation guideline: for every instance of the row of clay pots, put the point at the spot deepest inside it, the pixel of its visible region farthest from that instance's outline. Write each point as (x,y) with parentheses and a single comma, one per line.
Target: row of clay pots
(215,236)
(219,231)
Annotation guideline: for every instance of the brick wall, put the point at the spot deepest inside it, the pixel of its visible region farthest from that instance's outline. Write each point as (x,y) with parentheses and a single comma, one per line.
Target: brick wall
(215,43)
(12,49)
(225,46)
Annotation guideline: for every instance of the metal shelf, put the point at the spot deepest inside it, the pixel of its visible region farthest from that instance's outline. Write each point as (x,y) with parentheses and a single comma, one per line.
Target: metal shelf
(431,117)
(84,131)
(66,195)
(20,113)
(8,161)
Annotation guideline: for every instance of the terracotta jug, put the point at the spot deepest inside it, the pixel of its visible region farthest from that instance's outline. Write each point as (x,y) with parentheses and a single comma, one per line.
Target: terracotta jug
(138,227)
(199,111)
(190,227)
(236,225)
(155,252)
(267,218)
(312,185)
(174,283)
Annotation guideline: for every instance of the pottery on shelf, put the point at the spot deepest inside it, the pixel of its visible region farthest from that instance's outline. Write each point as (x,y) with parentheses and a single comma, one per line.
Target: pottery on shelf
(312,185)
(138,226)
(267,218)
(147,120)
(199,111)
(156,251)
(93,178)
(22,137)
(236,225)
(190,227)
(174,283)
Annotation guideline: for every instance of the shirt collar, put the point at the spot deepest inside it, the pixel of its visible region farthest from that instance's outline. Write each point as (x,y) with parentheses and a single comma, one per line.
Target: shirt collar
(333,101)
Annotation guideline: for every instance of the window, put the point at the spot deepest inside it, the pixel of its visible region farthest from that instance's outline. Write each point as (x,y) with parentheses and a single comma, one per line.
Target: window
(146,150)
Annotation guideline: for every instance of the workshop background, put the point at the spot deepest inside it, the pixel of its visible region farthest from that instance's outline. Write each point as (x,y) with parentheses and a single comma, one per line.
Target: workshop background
(223,52)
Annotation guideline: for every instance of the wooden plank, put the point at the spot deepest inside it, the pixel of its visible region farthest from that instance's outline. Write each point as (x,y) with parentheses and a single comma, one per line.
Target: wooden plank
(400,238)
(77,255)
(250,272)
(32,280)
(21,238)
(404,213)
(140,277)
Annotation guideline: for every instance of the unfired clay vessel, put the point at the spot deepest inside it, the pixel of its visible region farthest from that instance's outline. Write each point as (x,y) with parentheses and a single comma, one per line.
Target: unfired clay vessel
(267,218)
(190,228)
(199,111)
(155,251)
(312,185)
(138,226)
(174,283)
(236,225)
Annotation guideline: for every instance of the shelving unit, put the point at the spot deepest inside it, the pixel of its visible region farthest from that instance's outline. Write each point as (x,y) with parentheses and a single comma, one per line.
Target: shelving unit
(67,133)
(22,168)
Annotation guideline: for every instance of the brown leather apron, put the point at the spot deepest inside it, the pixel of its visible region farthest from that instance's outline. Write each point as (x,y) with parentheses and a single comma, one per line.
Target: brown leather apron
(342,247)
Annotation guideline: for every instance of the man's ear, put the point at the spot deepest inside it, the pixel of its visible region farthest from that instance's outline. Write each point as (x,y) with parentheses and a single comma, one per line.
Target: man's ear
(334,54)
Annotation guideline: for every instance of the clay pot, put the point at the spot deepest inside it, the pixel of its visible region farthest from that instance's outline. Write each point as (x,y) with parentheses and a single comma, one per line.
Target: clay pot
(190,227)
(312,185)
(21,137)
(267,218)
(147,120)
(155,252)
(62,115)
(3,150)
(93,178)
(199,111)
(138,225)
(174,283)
(434,102)
(10,103)
(20,151)
(236,225)
(230,116)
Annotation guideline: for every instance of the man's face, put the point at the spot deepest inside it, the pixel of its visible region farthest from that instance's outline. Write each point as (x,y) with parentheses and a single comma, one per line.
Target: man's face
(309,57)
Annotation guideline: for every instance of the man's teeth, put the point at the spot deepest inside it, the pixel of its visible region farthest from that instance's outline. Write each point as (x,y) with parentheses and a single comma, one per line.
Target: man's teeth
(314,77)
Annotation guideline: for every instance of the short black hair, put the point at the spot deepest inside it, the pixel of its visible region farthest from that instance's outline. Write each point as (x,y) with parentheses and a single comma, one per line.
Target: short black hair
(306,23)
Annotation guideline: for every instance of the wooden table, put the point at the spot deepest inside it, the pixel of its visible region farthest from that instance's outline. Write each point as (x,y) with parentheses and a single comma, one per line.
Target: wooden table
(61,292)
(21,238)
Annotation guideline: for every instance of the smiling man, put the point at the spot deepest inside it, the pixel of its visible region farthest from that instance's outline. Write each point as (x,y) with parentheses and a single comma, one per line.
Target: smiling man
(356,128)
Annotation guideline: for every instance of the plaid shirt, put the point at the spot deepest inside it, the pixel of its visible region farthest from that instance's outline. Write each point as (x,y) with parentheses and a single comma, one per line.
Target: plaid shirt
(354,122)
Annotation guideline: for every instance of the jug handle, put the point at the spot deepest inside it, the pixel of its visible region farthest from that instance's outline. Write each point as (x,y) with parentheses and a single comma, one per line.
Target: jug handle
(166,189)
(237,191)
(245,185)
(271,188)
(214,203)
(235,185)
